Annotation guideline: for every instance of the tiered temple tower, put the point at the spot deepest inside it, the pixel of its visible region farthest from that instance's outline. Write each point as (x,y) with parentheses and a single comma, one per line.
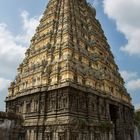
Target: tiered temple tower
(68,86)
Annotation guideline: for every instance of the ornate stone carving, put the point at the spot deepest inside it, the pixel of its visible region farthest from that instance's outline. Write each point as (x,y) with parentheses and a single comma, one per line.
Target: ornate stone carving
(68,82)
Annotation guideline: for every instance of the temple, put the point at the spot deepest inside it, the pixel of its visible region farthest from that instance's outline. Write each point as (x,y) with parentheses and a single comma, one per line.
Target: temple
(68,86)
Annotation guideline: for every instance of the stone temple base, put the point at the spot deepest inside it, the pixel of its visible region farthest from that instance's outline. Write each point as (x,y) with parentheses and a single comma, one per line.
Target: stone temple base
(70,113)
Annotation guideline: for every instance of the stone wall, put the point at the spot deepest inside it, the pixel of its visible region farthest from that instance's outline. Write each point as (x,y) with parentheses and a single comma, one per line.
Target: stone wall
(71,114)
(10,127)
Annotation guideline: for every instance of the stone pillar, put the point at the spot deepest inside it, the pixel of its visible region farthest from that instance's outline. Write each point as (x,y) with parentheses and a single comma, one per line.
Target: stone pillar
(112,135)
(56,136)
(32,106)
(68,135)
(28,135)
(32,135)
(24,107)
(92,136)
(39,136)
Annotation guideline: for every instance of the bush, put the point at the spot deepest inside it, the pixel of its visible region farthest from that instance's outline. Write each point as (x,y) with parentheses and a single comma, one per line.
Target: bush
(105,126)
(137,119)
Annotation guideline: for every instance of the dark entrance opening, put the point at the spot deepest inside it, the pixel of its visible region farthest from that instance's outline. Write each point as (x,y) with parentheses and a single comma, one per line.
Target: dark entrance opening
(113,110)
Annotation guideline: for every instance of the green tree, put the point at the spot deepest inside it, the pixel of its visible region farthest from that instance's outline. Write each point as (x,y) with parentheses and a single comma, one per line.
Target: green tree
(137,119)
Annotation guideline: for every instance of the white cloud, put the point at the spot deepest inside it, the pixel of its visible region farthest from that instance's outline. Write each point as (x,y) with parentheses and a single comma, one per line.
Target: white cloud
(126,15)
(127,75)
(133,85)
(132,80)
(29,26)
(12,49)
(11,52)
(3,83)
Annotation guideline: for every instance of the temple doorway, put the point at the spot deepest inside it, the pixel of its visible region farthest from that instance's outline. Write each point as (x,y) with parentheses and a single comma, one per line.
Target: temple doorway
(113,110)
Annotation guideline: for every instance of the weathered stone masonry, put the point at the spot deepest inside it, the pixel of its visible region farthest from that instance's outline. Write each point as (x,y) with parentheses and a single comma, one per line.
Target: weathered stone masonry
(68,87)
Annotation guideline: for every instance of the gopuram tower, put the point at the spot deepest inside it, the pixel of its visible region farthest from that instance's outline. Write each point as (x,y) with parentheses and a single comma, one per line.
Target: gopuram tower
(68,87)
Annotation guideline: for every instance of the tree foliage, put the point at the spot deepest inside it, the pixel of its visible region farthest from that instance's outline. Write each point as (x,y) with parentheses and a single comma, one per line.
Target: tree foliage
(137,119)
(105,126)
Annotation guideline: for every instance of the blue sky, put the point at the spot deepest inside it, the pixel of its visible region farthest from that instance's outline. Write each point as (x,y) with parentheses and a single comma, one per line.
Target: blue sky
(120,21)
